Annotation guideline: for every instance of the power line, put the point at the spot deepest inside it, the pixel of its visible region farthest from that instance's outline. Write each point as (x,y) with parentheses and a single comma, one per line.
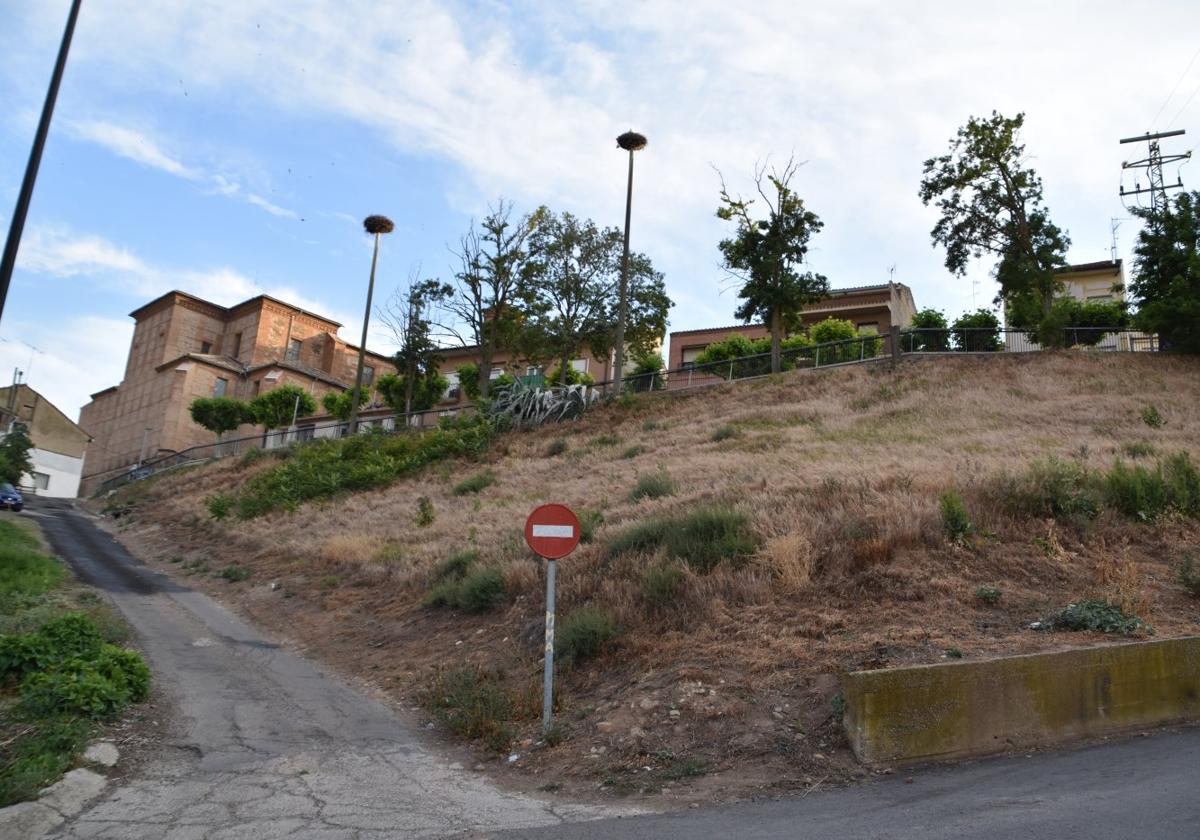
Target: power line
(1184,108)
(1153,165)
(1178,82)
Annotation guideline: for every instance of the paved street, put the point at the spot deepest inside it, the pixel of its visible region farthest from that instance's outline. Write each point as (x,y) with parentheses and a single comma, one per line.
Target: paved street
(268,745)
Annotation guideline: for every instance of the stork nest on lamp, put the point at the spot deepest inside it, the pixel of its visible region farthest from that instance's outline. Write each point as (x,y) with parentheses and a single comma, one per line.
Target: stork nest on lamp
(378,224)
(631,141)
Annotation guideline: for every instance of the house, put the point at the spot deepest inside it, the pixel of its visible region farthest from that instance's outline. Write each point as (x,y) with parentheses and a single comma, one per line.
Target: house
(451,358)
(59,444)
(870,308)
(185,347)
(1098,282)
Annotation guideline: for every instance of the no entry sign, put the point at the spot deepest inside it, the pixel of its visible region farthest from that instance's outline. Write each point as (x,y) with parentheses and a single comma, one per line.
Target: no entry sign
(552,531)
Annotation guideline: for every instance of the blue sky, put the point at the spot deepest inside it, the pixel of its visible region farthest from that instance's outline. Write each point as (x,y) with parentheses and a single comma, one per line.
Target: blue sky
(230,149)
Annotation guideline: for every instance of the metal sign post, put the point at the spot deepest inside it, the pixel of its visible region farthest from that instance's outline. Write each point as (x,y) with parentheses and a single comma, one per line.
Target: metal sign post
(552,531)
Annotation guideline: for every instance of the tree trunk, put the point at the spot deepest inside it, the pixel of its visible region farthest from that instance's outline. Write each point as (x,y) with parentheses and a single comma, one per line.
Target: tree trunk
(408,390)
(562,371)
(776,340)
(485,369)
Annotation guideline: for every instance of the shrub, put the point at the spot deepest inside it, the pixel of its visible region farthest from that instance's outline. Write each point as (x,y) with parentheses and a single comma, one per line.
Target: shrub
(524,406)
(481,590)
(1188,575)
(1138,449)
(726,432)
(989,595)
(473,704)
(609,439)
(1095,615)
(646,373)
(653,486)
(633,451)
(702,538)
(1053,488)
(583,634)
(475,483)
(954,516)
(425,513)
(1152,418)
(456,565)
(589,521)
(927,332)
(556,447)
(1145,493)
(838,330)
(661,582)
(235,573)
(977,332)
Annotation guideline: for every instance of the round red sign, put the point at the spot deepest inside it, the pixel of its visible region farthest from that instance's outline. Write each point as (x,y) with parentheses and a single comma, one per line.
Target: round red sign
(552,531)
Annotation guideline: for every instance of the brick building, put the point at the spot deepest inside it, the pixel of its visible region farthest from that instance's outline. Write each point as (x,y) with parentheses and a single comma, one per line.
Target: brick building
(870,308)
(184,347)
(453,357)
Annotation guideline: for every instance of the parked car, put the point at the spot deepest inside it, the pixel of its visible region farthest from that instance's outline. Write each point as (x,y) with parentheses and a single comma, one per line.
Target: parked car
(10,499)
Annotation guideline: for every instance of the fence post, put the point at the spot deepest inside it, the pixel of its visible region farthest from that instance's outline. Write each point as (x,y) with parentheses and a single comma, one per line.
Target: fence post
(895,333)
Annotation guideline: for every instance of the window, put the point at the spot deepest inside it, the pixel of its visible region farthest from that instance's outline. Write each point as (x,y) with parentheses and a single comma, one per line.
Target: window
(496,373)
(305,432)
(690,354)
(1099,297)
(221,386)
(237,345)
(368,374)
(41,481)
(293,350)
(254,387)
(205,346)
(533,371)
(579,365)
(453,389)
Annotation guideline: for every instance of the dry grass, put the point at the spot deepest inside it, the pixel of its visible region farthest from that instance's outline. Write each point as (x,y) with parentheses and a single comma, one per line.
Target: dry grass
(840,472)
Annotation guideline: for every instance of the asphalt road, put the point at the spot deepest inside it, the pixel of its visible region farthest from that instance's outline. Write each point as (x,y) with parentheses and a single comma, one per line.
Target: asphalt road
(271,747)
(267,745)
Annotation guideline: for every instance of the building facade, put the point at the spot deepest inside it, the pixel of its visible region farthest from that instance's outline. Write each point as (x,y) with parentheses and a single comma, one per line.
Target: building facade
(869,308)
(185,347)
(59,444)
(1097,282)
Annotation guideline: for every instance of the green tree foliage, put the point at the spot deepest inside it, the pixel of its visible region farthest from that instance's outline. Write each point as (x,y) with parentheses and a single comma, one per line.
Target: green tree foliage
(928,332)
(468,379)
(977,332)
(14,454)
(569,376)
(1072,322)
(274,409)
(1166,282)
(408,315)
(339,404)
(220,414)
(644,374)
(991,204)
(738,356)
(765,255)
(485,304)
(839,330)
(427,391)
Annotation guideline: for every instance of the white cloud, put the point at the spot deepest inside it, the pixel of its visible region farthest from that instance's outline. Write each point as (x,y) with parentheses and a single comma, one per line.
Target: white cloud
(273,209)
(132,144)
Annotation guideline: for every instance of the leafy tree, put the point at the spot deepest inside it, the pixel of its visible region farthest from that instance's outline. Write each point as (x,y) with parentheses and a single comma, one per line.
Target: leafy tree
(927,332)
(485,304)
(275,409)
(220,414)
(748,357)
(408,316)
(977,332)
(645,374)
(339,403)
(991,204)
(840,330)
(569,376)
(1073,322)
(1166,281)
(468,379)
(14,454)
(426,392)
(765,255)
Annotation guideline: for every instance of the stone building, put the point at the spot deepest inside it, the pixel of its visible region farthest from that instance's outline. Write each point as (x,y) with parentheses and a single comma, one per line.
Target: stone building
(870,308)
(58,443)
(185,347)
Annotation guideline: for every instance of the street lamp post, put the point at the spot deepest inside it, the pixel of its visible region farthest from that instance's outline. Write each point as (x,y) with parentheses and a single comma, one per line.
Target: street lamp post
(376,226)
(630,141)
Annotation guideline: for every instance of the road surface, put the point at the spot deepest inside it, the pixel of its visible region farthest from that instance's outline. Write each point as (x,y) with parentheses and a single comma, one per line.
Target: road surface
(271,747)
(268,746)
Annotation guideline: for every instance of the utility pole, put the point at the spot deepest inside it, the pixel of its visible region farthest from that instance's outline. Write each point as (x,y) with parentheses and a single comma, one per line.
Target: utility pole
(1153,165)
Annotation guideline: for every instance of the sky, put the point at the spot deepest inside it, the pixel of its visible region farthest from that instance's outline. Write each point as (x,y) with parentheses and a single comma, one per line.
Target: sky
(230,149)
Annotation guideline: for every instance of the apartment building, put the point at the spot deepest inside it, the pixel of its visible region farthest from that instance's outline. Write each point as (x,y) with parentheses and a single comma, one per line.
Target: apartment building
(870,308)
(56,459)
(184,347)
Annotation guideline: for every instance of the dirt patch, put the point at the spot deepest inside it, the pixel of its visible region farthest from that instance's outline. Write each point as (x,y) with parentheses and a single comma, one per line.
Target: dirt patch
(726,688)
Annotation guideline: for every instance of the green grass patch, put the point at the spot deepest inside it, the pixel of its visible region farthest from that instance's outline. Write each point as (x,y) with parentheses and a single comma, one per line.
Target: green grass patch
(633,451)
(463,585)
(475,483)
(661,582)
(702,537)
(1138,449)
(24,570)
(583,634)
(456,565)
(655,485)
(234,573)
(725,433)
(39,757)
(589,521)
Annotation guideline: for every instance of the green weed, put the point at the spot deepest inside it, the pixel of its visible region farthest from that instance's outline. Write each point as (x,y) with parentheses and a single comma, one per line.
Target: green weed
(475,483)
(653,486)
(583,634)
(702,537)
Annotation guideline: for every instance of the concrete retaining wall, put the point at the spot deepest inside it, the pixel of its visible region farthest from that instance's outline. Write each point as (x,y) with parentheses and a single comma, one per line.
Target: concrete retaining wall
(908,715)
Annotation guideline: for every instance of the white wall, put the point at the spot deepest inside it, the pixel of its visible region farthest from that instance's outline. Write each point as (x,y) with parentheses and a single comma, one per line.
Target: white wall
(63,471)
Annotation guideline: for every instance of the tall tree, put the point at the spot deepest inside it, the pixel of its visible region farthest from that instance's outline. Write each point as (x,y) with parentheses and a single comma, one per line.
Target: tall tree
(572,298)
(484,307)
(766,255)
(14,454)
(407,315)
(1166,281)
(990,201)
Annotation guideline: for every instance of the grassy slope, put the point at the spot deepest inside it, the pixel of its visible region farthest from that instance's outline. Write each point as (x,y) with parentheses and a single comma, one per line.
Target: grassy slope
(840,473)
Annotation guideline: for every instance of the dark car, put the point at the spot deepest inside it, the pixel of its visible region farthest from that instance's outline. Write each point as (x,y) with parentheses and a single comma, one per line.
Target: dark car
(10,499)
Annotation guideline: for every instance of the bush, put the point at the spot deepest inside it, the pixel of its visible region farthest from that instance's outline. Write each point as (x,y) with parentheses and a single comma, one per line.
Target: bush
(1138,449)
(954,516)
(235,573)
(1188,575)
(652,486)
(726,432)
(1152,418)
(583,634)
(702,538)
(456,565)
(977,332)
(1080,323)
(928,332)
(661,582)
(1094,615)
(556,447)
(989,595)
(425,513)
(481,590)
(475,483)
(473,704)
(1145,493)
(1053,488)
(633,451)
(646,373)
(589,521)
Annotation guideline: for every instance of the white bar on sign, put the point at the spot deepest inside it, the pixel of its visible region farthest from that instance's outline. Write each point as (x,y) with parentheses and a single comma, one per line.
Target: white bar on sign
(564,531)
